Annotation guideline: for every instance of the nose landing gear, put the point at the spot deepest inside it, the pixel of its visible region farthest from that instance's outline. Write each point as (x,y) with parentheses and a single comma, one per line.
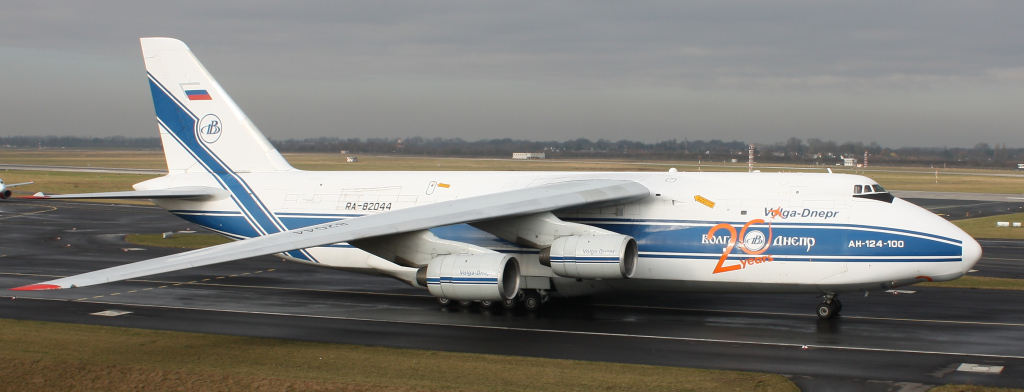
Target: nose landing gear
(830,307)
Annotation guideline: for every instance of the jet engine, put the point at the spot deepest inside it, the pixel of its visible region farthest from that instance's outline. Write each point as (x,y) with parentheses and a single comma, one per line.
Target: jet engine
(5,194)
(611,256)
(472,277)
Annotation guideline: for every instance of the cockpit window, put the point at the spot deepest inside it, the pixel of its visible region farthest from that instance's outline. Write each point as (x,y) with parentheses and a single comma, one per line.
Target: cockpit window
(873,192)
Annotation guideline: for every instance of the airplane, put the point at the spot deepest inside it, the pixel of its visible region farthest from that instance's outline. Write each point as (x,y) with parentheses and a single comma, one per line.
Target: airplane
(5,191)
(515,239)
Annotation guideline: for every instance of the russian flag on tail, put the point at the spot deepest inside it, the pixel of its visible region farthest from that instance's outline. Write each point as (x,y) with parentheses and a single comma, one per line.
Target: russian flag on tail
(198,95)
(195,92)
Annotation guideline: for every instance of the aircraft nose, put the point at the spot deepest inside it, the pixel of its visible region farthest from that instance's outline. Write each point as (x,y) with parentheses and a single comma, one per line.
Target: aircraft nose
(971,253)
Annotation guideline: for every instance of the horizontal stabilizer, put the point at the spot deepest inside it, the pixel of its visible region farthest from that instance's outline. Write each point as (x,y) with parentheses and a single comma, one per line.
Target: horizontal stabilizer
(518,202)
(190,192)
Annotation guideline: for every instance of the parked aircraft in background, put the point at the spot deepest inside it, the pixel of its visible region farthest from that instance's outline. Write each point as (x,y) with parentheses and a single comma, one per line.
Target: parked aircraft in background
(5,189)
(517,237)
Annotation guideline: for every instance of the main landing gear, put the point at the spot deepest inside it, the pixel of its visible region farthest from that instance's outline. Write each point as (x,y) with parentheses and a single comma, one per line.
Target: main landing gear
(830,306)
(530,300)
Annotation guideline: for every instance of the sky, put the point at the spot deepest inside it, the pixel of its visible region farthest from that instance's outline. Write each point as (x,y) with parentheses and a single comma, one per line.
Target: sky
(930,73)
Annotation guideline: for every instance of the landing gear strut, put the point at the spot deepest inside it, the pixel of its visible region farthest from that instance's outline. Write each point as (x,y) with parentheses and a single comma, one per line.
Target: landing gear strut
(830,306)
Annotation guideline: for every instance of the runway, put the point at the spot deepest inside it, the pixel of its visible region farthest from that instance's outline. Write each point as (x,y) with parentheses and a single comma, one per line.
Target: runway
(921,337)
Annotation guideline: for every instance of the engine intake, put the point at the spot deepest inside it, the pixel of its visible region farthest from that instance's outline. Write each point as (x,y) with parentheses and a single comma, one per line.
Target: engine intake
(479,277)
(5,194)
(592,257)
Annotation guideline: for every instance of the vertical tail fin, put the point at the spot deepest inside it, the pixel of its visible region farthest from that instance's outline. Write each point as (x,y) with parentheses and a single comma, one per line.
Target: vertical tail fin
(201,128)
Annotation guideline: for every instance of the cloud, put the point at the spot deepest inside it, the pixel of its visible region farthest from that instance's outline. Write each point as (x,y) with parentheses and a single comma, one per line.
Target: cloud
(609,68)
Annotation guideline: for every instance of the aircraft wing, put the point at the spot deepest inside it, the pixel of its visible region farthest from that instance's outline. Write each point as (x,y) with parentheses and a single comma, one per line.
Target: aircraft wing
(471,209)
(19,184)
(170,193)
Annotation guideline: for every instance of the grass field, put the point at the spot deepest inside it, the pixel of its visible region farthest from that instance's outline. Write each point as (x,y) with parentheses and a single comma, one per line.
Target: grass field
(132,159)
(986,227)
(36,356)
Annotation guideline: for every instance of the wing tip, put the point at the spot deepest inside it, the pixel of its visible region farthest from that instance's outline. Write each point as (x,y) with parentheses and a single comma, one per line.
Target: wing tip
(37,287)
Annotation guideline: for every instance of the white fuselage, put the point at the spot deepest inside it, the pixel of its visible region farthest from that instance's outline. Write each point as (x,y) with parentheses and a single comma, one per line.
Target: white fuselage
(793,232)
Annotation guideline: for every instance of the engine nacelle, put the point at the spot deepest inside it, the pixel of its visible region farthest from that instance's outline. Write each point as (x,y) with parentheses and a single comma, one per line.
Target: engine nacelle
(472,277)
(5,194)
(611,256)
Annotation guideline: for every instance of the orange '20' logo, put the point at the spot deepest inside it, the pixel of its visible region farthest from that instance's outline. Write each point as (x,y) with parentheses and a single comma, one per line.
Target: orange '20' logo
(758,244)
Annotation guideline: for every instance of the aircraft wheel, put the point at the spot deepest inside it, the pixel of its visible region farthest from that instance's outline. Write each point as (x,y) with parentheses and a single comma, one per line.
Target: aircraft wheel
(488,304)
(465,304)
(838,305)
(444,301)
(531,301)
(510,303)
(826,310)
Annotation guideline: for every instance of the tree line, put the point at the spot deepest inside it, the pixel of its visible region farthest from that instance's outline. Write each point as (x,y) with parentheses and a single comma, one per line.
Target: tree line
(793,150)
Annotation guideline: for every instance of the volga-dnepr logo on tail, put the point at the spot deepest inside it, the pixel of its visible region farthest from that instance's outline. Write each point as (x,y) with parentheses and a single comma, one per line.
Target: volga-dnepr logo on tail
(209,128)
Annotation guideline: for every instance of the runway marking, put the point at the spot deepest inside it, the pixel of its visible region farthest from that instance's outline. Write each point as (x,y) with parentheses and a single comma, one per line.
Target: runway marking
(812,315)
(999,258)
(51,208)
(580,333)
(110,313)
